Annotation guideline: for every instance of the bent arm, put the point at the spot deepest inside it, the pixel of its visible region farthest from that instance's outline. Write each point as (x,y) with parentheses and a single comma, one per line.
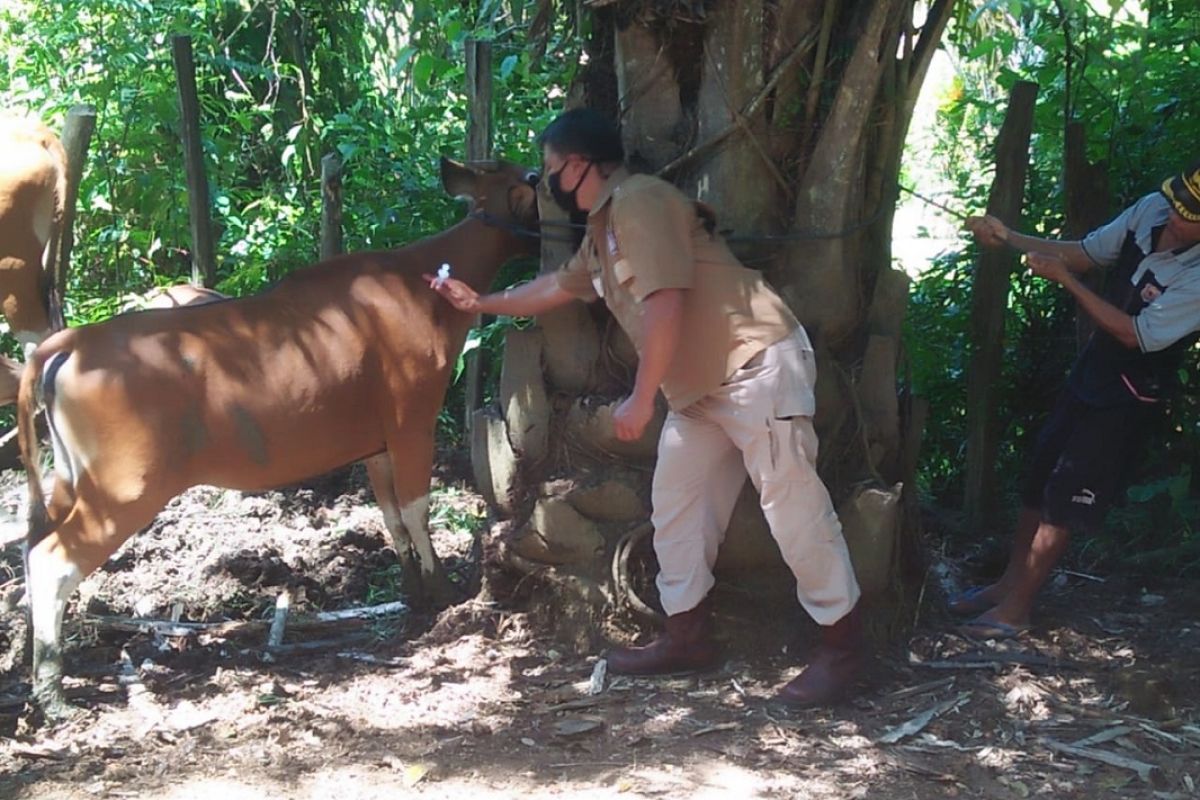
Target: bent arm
(1108,317)
(993,233)
(662,318)
(1071,253)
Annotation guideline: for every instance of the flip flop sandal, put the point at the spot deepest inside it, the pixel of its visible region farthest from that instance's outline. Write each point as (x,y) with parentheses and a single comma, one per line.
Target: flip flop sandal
(984,629)
(969,602)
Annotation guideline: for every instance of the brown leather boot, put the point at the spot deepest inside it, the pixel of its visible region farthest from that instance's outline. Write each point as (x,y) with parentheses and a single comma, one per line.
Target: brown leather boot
(686,644)
(833,666)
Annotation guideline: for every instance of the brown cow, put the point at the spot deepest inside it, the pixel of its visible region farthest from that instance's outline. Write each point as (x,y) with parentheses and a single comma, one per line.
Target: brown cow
(33,181)
(339,362)
(12,529)
(33,187)
(169,297)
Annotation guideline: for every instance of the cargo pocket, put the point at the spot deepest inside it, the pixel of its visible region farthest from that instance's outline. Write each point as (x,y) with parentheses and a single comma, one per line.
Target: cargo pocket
(797,377)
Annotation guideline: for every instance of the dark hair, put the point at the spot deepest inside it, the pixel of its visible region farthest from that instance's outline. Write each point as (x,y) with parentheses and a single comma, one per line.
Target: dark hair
(584,132)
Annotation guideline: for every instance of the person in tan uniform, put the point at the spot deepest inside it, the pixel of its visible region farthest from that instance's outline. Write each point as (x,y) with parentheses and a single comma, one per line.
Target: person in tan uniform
(738,374)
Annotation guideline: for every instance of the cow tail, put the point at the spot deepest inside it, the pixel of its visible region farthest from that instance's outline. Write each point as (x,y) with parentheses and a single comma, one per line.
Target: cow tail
(27,438)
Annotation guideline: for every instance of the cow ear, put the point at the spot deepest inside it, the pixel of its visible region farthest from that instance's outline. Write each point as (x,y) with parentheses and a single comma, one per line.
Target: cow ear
(458,179)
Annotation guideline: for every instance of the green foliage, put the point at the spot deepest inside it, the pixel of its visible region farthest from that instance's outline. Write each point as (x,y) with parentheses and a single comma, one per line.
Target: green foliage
(1127,74)
(385,585)
(280,85)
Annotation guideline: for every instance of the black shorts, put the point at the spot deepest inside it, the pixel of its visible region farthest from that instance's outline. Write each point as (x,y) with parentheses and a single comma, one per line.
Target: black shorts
(1083,460)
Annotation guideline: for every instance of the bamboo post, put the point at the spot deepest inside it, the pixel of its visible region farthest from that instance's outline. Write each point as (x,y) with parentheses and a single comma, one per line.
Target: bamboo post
(331,206)
(76,139)
(989,300)
(203,258)
(479,148)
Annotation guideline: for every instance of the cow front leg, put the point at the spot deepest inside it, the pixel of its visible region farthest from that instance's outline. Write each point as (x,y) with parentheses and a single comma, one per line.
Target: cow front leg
(411,455)
(383,484)
(51,578)
(437,585)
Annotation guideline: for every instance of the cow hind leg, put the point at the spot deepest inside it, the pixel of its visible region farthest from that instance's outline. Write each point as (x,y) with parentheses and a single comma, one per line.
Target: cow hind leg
(82,541)
(51,577)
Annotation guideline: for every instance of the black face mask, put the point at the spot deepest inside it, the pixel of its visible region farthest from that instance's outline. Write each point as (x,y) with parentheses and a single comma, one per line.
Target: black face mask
(567,200)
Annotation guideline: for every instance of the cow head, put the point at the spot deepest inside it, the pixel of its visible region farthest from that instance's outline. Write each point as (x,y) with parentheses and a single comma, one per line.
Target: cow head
(501,192)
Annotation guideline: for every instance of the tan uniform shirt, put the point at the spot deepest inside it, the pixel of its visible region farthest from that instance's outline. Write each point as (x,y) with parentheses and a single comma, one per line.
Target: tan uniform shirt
(644,235)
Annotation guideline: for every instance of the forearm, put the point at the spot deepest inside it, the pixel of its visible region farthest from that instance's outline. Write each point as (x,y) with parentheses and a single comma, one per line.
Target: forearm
(539,295)
(1107,317)
(1071,253)
(662,318)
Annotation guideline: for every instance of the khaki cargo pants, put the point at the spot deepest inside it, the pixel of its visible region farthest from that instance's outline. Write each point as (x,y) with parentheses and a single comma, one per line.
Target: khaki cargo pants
(758,422)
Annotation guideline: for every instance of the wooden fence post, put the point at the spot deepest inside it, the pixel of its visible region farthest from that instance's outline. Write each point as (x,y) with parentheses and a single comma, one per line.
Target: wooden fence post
(1088,206)
(479,148)
(76,139)
(203,258)
(331,206)
(989,301)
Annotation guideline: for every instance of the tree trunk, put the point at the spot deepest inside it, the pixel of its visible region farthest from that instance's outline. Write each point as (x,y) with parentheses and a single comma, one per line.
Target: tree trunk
(719,101)
(1089,205)
(989,307)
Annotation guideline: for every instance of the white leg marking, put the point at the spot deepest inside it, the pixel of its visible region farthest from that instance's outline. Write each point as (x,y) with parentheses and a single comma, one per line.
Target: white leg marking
(395,526)
(415,518)
(50,582)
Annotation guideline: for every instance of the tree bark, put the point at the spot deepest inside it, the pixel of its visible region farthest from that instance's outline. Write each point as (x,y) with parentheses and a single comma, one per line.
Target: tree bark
(724,105)
(76,139)
(989,301)
(331,206)
(203,254)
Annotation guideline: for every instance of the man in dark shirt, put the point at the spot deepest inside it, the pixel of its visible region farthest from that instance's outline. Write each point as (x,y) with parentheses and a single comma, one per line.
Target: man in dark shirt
(1147,317)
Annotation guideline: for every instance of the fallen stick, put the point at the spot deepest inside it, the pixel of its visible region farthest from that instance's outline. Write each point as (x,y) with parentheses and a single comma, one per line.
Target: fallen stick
(721,726)
(1144,771)
(573,705)
(996,661)
(1160,733)
(920,688)
(164,627)
(1106,735)
(1082,575)
(314,645)
(391,609)
(367,658)
(918,723)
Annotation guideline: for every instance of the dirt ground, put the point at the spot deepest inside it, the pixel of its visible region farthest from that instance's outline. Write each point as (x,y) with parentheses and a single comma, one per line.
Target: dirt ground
(1100,700)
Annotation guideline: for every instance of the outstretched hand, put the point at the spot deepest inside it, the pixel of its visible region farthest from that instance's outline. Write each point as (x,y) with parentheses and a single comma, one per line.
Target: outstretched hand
(988,230)
(457,293)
